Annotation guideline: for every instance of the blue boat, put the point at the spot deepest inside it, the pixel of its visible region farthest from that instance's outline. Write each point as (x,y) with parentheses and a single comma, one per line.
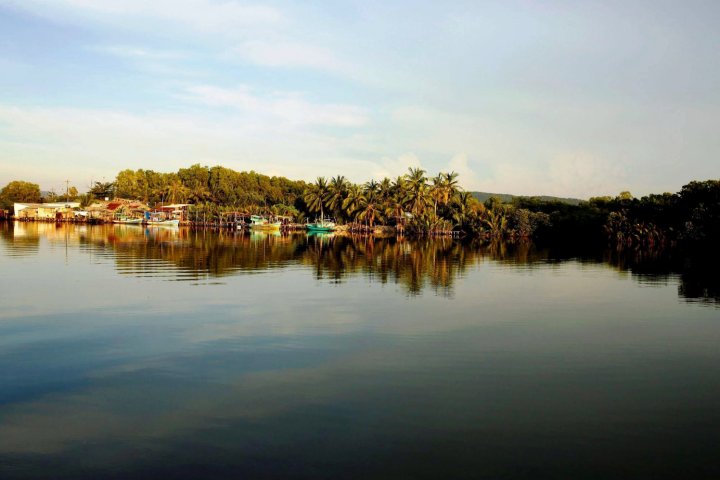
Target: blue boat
(321,225)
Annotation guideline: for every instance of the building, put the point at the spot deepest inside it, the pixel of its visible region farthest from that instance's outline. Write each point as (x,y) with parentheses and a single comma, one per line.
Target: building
(46,211)
(108,211)
(177,211)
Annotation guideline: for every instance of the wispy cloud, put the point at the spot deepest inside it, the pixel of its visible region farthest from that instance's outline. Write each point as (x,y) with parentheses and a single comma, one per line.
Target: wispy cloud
(39,143)
(290,108)
(139,53)
(206,15)
(394,167)
(460,164)
(576,174)
(290,54)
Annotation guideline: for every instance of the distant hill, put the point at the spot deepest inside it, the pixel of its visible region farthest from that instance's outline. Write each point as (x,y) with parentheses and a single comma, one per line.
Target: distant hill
(507,198)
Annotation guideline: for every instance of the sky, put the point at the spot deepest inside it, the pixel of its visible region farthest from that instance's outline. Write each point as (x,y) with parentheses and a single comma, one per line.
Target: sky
(567,98)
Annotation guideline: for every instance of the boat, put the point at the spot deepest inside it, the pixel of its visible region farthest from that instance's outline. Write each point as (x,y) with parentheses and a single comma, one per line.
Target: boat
(163,223)
(321,225)
(157,219)
(262,223)
(128,221)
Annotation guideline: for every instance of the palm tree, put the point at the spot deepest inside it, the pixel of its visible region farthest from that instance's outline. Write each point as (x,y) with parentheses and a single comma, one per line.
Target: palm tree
(336,193)
(315,195)
(369,207)
(451,187)
(462,205)
(443,189)
(395,198)
(416,176)
(385,188)
(496,221)
(175,190)
(416,194)
(451,180)
(372,187)
(198,192)
(354,201)
(437,191)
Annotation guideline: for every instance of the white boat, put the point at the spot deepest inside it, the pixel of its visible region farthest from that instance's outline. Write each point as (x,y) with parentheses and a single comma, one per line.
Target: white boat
(158,219)
(262,223)
(128,221)
(163,223)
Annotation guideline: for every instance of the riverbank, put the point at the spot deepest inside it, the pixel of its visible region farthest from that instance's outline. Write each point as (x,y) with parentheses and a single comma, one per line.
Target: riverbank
(354,229)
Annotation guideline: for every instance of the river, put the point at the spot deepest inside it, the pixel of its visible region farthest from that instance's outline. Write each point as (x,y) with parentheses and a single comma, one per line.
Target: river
(131,352)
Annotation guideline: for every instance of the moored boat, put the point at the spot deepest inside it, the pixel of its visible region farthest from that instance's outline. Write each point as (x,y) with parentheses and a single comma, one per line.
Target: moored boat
(128,221)
(159,219)
(163,223)
(321,225)
(262,223)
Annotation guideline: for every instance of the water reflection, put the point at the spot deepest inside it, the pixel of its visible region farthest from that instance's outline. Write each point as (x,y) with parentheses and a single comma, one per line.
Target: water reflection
(305,362)
(415,264)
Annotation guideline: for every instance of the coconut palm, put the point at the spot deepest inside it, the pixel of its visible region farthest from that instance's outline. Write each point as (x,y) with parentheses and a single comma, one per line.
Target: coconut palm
(462,209)
(416,197)
(315,195)
(385,188)
(416,177)
(355,201)
(496,221)
(394,197)
(175,191)
(372,187)
(369,206)
(450,185)
(336,193)
(436,191)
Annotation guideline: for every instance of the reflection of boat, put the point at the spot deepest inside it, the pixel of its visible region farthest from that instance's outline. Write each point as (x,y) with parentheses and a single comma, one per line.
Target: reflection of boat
(262,223)
(321,225)
(263,234)
(320,234)
(128,221)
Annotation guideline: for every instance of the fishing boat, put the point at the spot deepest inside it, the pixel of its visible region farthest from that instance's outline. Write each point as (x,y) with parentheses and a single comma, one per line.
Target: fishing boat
(262,223)
(163,223)
(157,219)
(128,221)
(321,225)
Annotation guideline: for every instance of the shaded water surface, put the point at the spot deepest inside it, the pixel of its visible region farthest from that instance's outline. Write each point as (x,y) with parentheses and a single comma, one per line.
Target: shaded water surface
(128,352)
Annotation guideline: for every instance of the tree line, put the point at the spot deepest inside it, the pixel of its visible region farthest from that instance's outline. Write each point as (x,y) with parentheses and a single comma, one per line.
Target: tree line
(415,203)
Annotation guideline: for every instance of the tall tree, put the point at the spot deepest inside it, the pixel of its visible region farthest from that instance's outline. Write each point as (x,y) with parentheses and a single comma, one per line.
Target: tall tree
(337,191)
(103,189)
(19,191)
(355,201)
(315,195)
(196,179)
(416,192)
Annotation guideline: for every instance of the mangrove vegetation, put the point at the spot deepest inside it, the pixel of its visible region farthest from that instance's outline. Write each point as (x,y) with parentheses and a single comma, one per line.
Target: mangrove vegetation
(415,204)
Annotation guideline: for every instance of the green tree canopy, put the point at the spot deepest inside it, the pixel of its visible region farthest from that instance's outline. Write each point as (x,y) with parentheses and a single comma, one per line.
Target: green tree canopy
(19,191)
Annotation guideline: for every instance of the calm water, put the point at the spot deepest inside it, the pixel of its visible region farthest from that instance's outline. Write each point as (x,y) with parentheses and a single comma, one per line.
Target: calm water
(128,352)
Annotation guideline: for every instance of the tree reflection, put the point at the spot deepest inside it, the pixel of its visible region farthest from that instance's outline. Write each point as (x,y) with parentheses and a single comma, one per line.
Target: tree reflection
(696,270)
(416,265)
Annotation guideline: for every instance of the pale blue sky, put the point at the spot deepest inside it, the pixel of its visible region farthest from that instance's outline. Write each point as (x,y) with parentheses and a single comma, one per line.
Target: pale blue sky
(567,98)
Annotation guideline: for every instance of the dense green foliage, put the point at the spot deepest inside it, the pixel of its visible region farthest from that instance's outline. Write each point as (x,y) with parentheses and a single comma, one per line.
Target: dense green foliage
(412,202)
(422,205)
(689,216)
(217,186)
(19,191)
